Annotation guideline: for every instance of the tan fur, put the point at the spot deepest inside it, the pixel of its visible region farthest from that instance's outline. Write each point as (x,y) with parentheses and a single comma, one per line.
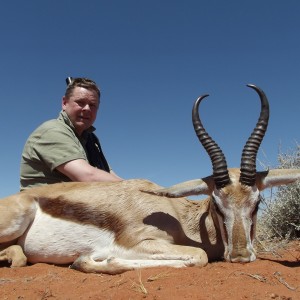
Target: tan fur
(145,220)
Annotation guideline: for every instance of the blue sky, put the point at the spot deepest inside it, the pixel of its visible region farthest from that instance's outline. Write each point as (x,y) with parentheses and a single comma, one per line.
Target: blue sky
(152,59)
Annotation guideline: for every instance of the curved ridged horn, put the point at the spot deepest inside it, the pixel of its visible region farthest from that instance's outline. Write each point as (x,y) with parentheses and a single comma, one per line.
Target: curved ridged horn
(220,171)
(248,161)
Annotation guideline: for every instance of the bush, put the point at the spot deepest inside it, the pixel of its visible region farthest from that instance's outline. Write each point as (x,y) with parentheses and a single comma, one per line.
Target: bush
(280,214)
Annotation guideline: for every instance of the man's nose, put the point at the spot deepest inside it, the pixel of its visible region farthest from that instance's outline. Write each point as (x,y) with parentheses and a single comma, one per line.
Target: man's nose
(86,107)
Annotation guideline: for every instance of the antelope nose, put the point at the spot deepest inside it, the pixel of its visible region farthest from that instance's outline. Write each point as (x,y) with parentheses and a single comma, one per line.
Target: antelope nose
(240,259)
(243,256)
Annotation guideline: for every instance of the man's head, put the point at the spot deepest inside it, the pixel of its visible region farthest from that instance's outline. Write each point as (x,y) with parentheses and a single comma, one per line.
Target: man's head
(81,102)
(81,82)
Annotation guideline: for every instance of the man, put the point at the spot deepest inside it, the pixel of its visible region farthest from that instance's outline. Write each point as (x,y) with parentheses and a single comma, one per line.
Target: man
(66,149)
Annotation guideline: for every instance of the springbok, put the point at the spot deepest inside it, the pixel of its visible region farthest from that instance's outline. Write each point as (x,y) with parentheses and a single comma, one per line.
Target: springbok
(115,227)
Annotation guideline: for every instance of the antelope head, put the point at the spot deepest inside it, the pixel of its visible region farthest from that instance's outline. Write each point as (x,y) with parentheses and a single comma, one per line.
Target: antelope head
(234,193)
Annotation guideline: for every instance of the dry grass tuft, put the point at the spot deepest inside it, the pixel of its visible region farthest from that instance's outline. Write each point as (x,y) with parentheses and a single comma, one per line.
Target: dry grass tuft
(279,220)
(139,286)
(159,276)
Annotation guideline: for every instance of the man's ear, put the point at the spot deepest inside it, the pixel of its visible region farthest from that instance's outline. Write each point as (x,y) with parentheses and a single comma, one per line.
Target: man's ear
(63,102)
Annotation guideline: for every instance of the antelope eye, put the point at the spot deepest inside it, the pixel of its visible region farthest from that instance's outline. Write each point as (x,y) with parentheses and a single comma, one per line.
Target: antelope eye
(214,200)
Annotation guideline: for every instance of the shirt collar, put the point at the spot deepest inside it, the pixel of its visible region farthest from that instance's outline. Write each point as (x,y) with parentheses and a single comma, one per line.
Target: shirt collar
(63,116)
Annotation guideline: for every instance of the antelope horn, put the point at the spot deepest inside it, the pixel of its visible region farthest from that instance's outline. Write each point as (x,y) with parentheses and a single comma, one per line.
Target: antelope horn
(220,171)
(248,161)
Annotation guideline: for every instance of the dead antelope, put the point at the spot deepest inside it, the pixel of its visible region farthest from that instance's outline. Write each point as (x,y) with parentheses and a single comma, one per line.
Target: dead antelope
(115,227)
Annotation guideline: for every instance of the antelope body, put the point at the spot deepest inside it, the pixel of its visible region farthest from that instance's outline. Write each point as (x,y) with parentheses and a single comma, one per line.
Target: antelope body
(115,227)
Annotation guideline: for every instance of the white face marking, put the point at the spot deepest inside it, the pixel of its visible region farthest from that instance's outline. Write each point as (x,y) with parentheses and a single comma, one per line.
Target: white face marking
(235,208)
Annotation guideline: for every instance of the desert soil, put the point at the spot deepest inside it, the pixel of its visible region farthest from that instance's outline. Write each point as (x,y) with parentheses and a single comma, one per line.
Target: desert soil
(269,277)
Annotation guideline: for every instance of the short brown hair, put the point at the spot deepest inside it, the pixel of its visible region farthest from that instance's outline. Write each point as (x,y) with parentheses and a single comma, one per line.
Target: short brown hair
(82,82)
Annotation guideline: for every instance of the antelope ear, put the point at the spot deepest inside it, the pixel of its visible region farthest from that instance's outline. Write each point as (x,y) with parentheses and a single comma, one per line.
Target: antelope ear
(202,186)
(276,177)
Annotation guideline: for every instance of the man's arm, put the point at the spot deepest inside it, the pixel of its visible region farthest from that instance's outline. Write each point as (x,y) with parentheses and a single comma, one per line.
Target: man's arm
(113,173)
(81,170)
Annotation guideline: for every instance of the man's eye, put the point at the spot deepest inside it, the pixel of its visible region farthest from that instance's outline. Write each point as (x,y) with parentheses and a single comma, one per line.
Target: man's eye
(80,103)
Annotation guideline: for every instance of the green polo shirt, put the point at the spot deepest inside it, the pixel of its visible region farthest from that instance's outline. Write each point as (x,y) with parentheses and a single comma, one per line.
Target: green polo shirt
(52,144)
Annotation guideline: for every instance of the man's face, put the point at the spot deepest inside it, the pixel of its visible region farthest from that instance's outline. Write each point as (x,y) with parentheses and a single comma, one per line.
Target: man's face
(81,107)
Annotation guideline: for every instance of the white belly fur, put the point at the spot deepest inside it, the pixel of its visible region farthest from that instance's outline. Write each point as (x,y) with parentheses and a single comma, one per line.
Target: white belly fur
(58,241)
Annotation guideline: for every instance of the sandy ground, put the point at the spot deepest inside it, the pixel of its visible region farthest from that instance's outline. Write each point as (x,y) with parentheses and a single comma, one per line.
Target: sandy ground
(269,277)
